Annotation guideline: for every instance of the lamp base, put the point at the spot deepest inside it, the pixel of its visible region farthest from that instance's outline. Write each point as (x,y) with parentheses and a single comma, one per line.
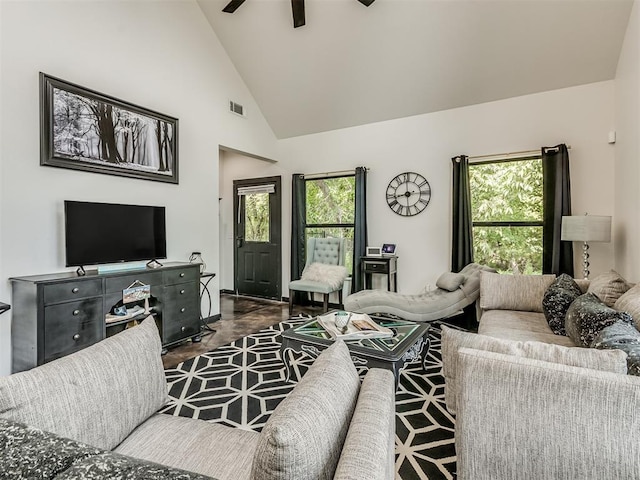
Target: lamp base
(585,260)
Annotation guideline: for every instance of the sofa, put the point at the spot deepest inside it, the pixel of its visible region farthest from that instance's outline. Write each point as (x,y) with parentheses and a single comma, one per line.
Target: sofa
(93,414)
(530,403)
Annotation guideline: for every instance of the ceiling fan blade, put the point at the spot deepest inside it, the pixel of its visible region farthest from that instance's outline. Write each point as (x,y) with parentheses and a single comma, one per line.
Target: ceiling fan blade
(366,3)
(297,7)
(232,6)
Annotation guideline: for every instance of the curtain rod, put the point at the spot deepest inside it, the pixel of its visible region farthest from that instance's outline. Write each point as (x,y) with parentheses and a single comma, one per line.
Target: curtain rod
(524,153)
(339,173)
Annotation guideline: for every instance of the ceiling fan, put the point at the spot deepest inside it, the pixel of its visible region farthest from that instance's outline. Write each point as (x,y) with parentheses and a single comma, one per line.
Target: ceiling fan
(297,8)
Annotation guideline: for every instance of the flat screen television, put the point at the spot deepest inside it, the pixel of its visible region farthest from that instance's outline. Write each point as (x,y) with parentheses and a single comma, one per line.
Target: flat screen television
(98,233)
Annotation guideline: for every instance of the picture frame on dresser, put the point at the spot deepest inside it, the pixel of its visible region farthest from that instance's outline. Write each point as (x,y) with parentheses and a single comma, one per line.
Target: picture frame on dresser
(82,129)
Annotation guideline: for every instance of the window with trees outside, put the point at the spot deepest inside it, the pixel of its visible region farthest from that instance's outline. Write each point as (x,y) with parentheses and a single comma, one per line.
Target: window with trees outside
(507,214)
(330,211)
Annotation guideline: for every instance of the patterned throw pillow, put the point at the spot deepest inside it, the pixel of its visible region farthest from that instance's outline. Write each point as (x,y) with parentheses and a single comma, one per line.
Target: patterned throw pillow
(608,287)
(556,301)
(625,337)
(588,316)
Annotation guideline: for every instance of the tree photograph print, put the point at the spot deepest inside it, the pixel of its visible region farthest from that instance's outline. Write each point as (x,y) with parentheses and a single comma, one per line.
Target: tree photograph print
(85,130)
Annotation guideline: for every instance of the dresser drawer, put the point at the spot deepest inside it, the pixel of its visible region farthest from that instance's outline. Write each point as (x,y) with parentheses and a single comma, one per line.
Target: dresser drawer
(66,291)
(72,326)
(181,275)
(376,267)
(117,284)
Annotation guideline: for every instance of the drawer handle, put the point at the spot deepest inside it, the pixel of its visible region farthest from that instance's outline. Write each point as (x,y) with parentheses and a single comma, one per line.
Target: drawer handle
(182,310)
(182,292)
(75,290)
(76,313)
(76,337)
(182,275)
(183,329)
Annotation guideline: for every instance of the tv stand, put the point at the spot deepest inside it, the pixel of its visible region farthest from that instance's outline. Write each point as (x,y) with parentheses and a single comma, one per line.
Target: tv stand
(80,271)
(154,264)
(60,313)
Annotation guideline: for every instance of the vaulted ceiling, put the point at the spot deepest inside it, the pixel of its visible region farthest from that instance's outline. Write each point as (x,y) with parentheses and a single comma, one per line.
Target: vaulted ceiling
(352,65)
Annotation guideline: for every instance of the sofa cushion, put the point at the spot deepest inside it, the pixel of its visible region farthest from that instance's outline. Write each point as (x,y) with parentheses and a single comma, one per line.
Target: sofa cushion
(608,287)
(587,316)
(450,281)
(304,435)
(513,292)
(31,453)
(624,337)
(629,302)
(555,303)
(453,340)
(97,395)
(525,326)
(177,442)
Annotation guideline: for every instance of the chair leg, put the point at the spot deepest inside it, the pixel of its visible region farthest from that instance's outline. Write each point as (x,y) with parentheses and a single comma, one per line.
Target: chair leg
(290,302)
(325,306)
(340,298)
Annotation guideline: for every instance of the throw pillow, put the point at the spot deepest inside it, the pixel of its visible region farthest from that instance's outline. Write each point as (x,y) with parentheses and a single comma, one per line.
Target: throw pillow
(450,281)
(513,292)
(555,303)
(624,337)
(587,316)
(608,287)
(304,435)
(630,302)
(332,275)
(453,340)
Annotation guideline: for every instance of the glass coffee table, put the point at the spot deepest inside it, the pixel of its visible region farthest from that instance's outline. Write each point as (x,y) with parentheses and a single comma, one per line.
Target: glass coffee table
(409,342)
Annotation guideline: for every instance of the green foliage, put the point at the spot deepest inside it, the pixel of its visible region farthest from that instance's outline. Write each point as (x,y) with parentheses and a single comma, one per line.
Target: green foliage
(331,201)
(256,226)
(508,192)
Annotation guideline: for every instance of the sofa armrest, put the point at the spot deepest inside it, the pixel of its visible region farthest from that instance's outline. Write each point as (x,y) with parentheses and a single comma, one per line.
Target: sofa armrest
(517,415)
(368,452)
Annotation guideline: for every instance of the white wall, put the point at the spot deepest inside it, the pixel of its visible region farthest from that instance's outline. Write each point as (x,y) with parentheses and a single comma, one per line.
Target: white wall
(627,178)
(161,55)
(579,116)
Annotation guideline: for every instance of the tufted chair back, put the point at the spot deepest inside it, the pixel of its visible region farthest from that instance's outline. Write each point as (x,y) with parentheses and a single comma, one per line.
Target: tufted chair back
(329,251)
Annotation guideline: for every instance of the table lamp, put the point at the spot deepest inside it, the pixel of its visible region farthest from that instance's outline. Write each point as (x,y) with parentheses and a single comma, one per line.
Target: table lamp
(586,228)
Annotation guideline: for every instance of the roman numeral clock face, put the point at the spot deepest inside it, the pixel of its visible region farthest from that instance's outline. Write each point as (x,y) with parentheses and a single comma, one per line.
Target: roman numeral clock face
(408,194)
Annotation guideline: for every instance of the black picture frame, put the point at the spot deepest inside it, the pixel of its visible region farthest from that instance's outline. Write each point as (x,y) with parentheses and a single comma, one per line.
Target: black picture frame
(82,129)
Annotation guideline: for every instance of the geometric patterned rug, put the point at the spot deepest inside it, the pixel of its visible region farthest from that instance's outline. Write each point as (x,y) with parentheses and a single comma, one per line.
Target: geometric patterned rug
(240,384)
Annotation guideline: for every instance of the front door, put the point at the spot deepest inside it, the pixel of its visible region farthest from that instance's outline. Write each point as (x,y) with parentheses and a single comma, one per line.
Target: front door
(258,231)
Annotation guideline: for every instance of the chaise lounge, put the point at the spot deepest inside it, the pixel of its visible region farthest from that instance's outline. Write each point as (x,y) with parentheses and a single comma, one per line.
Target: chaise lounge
(454,292)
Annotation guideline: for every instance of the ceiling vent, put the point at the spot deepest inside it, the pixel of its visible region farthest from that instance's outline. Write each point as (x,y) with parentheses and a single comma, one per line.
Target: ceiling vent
(236,108)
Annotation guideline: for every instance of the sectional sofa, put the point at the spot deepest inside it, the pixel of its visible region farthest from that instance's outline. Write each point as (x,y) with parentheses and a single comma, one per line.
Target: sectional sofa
(93,414)
(531,404)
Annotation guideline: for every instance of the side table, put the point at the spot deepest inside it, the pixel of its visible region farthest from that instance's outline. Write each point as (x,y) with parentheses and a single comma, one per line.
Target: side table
(385,265)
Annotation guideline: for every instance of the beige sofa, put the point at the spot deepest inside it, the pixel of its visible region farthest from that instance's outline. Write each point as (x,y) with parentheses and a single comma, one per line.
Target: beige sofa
(531,405)
(105,399)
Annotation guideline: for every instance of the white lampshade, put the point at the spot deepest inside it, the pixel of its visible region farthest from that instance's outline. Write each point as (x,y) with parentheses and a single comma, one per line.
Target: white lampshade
(586,228)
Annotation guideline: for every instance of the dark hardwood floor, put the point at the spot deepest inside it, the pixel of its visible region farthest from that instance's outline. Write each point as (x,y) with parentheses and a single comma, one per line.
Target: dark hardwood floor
(240,316)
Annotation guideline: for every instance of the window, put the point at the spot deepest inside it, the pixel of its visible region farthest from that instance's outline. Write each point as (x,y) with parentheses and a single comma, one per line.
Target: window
(330,210)
(507,214)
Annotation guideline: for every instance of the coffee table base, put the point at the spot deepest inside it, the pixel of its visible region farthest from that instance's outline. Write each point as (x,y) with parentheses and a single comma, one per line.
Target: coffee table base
(418,350)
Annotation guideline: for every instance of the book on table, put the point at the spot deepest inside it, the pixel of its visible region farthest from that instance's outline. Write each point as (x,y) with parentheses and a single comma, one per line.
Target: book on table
(359,326)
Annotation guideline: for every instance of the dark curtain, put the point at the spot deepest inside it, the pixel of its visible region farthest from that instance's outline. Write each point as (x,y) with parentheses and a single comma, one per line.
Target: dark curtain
(462,234)
(298,223)
(557,256)
(360,237)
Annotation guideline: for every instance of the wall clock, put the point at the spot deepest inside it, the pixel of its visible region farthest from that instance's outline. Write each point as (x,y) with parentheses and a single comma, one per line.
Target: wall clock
(408,194)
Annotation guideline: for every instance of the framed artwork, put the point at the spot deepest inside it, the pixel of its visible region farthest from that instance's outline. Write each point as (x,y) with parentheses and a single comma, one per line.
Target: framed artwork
(85,130)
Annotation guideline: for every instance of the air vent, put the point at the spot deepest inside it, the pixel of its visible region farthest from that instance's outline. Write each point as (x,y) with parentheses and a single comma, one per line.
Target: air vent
(236,108)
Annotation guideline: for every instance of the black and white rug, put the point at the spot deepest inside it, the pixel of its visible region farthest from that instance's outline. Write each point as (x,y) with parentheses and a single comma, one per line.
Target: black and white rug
(240,384)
